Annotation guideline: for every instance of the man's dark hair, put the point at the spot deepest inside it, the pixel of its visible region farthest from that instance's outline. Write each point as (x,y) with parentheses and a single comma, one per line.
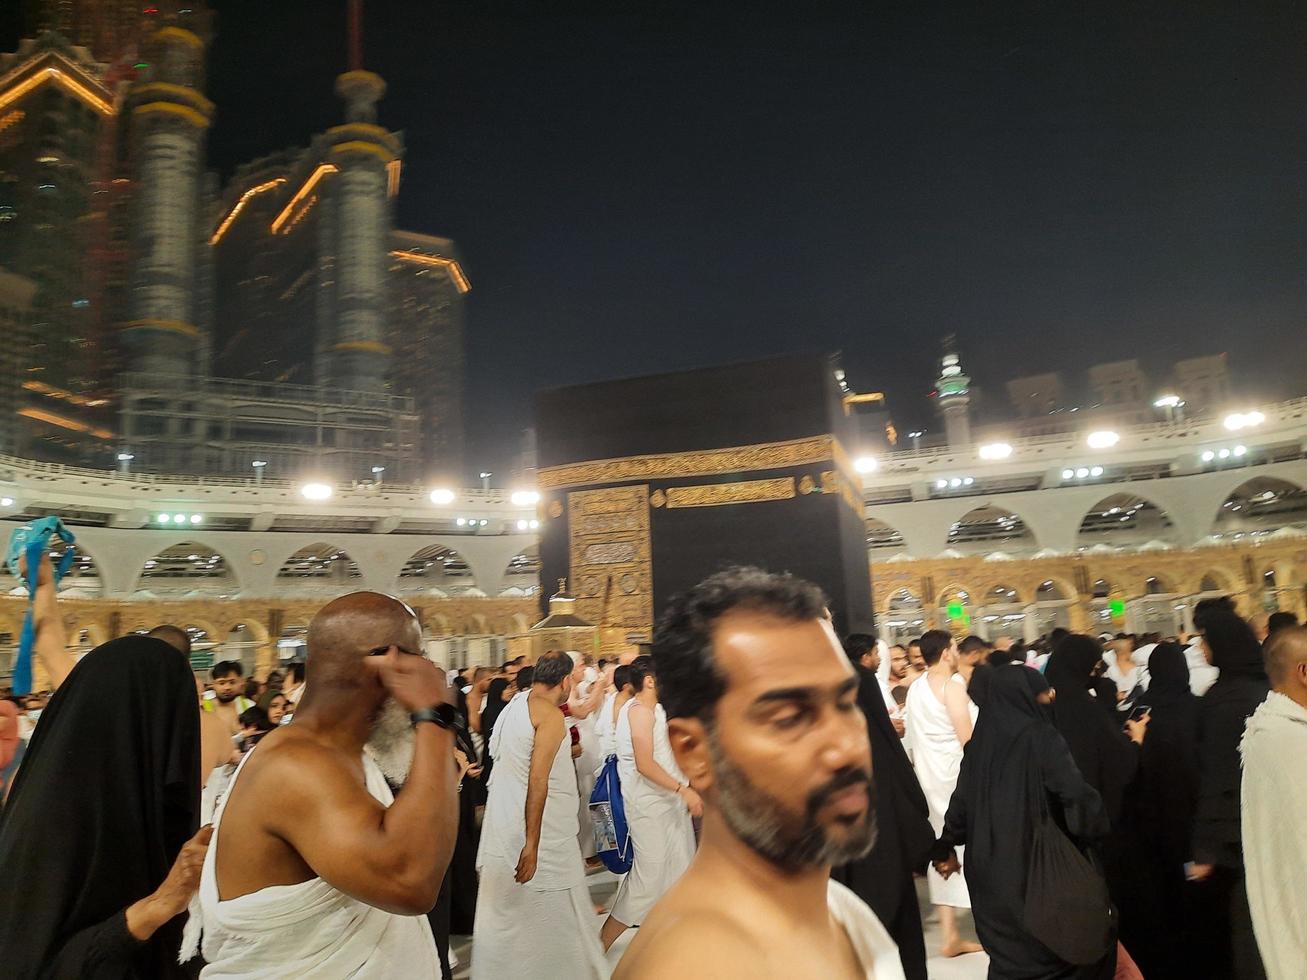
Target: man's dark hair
(858,645)
(1280,621)
(251,688)
(914,642)
(621,676)
(297,673)
(933,645)
(517,660)
(526,677)
(637,670)
(1059,634)
(550,670)
(974,644)
(226,668)
(174,636)
(690,683)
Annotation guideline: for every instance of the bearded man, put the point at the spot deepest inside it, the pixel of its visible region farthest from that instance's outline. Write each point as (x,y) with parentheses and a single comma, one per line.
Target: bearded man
(316,869)
(764,721)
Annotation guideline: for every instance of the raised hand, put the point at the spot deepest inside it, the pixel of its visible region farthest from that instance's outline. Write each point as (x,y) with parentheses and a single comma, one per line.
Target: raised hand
(413,681)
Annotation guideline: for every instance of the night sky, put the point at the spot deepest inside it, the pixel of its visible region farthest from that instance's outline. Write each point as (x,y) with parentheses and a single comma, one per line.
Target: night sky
(639,187)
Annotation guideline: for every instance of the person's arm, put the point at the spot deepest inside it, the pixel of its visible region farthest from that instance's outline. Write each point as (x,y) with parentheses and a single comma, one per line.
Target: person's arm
(549,735)
(108,946)
(583,707)
(51,643)
(1086,817)
(944,854)
(393,858)
(641,720)
(475,700)
(956,701)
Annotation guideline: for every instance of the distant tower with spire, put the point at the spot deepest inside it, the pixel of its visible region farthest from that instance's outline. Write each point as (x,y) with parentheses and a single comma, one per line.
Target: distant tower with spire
(953,390)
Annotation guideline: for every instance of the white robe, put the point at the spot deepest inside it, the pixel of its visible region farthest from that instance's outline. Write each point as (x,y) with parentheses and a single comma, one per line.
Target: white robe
(937,759)
(1274,796)
(661,829)
(310,930)
(546,927)
(875,949)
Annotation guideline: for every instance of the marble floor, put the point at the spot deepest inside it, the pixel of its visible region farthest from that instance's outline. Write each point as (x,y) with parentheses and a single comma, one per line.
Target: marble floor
(603,885)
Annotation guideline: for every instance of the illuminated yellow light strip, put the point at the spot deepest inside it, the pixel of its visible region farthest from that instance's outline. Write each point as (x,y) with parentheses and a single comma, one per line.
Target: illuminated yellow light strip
(369,346)
(41,388)
(393,170)
(64,423)
(172,326)
(197,119)
(184,92)
(362,146)
(236,210)
(63,81)
(14,117)
(437,262)
(871,397)
(301,194)
(178,34)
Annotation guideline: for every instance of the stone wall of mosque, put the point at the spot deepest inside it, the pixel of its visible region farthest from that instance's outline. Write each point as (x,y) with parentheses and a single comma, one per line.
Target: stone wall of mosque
(1137,591)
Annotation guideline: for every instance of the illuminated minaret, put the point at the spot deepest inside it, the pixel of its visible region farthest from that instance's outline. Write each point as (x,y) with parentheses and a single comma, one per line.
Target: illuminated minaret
(952,389)
(361,151)
(170,116)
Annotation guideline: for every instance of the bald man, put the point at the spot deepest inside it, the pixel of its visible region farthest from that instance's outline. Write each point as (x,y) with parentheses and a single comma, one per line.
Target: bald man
(1274,799)
(316,869)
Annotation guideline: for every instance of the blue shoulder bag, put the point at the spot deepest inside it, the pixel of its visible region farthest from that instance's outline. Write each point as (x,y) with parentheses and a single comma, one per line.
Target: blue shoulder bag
(613,843)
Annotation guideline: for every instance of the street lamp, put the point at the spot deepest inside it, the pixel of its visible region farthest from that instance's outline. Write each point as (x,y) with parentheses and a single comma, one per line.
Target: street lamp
(916,439)
(258,465)
(485,479)
(125,462)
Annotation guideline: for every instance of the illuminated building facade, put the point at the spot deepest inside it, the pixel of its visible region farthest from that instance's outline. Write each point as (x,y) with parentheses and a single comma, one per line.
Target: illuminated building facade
(284,321)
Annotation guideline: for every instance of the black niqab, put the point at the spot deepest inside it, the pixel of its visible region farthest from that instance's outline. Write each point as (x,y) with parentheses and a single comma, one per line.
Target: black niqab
(107,795)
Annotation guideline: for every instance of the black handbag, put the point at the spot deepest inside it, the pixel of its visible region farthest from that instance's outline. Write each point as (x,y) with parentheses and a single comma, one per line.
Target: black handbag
(1067,906)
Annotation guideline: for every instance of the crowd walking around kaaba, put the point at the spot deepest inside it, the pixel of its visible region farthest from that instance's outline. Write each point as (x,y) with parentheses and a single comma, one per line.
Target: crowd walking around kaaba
(768,792)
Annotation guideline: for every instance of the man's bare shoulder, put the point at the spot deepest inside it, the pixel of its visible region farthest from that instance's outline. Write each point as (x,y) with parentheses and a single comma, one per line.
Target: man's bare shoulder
(293,761)
(690,939)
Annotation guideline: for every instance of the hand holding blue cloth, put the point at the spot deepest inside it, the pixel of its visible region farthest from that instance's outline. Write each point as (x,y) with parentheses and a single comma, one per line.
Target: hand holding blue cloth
(29,544)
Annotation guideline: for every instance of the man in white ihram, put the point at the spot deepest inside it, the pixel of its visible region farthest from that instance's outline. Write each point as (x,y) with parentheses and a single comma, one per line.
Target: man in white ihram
(534,917)
(315,870)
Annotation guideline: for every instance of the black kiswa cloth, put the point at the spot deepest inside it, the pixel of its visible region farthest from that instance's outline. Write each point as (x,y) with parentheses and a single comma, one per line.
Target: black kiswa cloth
(107,795)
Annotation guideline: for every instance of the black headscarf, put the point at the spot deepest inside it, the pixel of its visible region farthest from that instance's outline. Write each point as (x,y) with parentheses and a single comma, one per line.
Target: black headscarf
(1168,767)
(1235,650)
(1105,755)
(107,795)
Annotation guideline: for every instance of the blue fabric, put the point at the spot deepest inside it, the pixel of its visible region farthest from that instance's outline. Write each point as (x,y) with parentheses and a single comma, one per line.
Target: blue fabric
(32,541)
(613,844)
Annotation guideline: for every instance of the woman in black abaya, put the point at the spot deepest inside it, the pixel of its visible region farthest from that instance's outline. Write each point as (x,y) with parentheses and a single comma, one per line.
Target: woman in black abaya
(1014,764)
(105,801)
(1159,813)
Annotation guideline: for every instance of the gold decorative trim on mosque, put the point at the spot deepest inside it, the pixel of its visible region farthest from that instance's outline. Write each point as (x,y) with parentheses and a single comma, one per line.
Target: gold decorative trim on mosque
(658,499)
(720,494)
(368,346)
(368,132)
(610,556)
(707,462)
(196,119)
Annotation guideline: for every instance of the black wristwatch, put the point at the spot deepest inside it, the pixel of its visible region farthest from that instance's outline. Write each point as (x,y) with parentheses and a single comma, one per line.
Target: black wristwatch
(444,715)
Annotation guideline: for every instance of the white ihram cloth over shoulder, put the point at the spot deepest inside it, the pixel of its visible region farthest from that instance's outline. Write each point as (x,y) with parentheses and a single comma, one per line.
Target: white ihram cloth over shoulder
(875,950)
(937,757)
(311,930)
(660,825)
(546,927)
(1274,798)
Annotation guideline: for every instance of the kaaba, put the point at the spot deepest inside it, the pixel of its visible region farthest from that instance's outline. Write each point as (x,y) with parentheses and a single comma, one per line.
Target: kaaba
(648,485)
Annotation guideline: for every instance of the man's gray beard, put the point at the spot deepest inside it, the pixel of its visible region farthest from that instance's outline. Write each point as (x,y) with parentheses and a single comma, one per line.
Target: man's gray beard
(391,742)
(762,823)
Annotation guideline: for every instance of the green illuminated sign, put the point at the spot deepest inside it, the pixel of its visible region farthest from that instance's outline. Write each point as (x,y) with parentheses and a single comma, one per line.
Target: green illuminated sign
(1116,607)
(955,610)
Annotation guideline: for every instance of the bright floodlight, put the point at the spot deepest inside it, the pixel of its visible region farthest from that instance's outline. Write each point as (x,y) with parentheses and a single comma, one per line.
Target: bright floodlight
(865,464)
(996,450)
(1068,474)
(1209,456)
(442,495)
(1103,440)
(1243,420)
(524,498)
(6,501)
(1168,401)
(179,518)
(316,491)
(197,518)
(1240,450)
(522,525)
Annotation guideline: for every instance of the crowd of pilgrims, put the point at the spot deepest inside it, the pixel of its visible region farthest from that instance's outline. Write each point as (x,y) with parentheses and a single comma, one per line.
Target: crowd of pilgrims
(1128,745)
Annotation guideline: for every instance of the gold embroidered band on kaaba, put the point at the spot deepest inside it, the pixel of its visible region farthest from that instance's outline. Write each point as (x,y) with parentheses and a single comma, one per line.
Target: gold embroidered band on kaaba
(707,462)
(744,492)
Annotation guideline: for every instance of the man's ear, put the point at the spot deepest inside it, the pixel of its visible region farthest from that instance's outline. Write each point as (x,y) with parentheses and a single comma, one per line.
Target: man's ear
(689,740)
